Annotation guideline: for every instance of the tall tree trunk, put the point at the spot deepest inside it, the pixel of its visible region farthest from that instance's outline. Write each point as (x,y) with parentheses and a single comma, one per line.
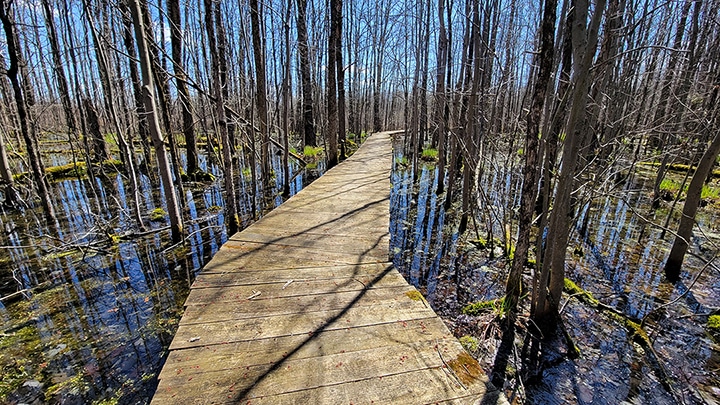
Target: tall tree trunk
(286,107)
(231,216)
(261,89)
(552,275)
(331,140)
(531,172)
(659,141)
(340,80)
(176,227)
(143,130)
(308,116)
(675,260)
(188,126)
(471,112)
(162,94)
(58,68)
(27,127)
(440,97)
(126,151)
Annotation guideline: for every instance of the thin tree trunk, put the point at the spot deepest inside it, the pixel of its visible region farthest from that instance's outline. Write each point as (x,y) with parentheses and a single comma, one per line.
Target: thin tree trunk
(58,68)
(231,216)
(680,246)
(188,126)
(26,126)
(531,173)
(340,81)
(331,140)
(126,151)
(176,226)
(305,78)
(440,97)
(162,93)
(261,90)
(552,275)
(143,130)
(286,108)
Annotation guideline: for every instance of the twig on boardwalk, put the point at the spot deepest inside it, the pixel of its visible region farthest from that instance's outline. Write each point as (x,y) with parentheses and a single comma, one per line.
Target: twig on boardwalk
(254,294)
(447,368)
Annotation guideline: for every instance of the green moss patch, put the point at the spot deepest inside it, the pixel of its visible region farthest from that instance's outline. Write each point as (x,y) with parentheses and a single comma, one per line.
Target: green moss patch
(429,154)
(68,171)
(157,215)
(312,151)
(713,326)
(469,343)
(480,307)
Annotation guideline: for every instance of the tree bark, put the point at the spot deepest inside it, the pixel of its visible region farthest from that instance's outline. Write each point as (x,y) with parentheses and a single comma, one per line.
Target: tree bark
(27,127)
(331,140)
(531,172)
(231,216)
(143,130)
(176,227)
(308,116)
(58,68)
(261,89)
(675,260)
(440,97)
(126,151)
(552,275)
(340,80)
(188,126)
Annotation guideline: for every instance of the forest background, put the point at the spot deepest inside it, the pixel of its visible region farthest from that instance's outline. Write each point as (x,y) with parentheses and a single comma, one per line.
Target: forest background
(567,102)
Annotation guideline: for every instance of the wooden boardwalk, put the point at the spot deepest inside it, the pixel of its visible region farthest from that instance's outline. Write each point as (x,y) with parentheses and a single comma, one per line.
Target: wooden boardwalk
(303,307)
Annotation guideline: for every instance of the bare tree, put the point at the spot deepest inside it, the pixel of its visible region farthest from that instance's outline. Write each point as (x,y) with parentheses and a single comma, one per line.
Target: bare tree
(331,135)
(176,226)
(188,125)
(552,276)
(27,127)
(305,77)
(683,236)
(231,216)
(261,103)
(531,171)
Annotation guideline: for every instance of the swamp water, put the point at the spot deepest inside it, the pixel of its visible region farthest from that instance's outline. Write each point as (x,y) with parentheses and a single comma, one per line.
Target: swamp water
(619,260)
(101,306)
(97,329)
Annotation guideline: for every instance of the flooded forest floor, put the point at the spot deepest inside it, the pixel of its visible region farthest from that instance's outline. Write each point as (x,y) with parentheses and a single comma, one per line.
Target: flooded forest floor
(618,261)
(100,305)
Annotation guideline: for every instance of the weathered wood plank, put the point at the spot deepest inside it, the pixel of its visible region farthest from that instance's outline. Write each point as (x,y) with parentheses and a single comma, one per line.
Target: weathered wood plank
(308,323)
(295,304)
(263,274)
(293,248)
(329,341)
(273,288)
(302,307)
(295,375)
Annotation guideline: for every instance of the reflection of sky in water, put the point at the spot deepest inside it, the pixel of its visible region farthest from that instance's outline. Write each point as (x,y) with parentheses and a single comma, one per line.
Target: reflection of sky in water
(622,266)
(107,311)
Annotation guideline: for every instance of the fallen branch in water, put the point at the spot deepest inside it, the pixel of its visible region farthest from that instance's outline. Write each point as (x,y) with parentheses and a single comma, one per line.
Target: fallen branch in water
(635,330)
(24,293)
(10,297)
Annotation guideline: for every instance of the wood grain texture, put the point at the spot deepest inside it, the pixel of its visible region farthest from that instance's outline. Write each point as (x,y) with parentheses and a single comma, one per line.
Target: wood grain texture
(303,307)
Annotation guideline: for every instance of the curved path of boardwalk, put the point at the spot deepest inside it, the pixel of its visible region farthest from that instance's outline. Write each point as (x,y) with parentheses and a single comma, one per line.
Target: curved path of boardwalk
(303,307)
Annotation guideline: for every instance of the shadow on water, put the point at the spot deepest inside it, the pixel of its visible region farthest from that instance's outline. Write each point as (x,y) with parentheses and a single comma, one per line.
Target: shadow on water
(618,257)
(99,307)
